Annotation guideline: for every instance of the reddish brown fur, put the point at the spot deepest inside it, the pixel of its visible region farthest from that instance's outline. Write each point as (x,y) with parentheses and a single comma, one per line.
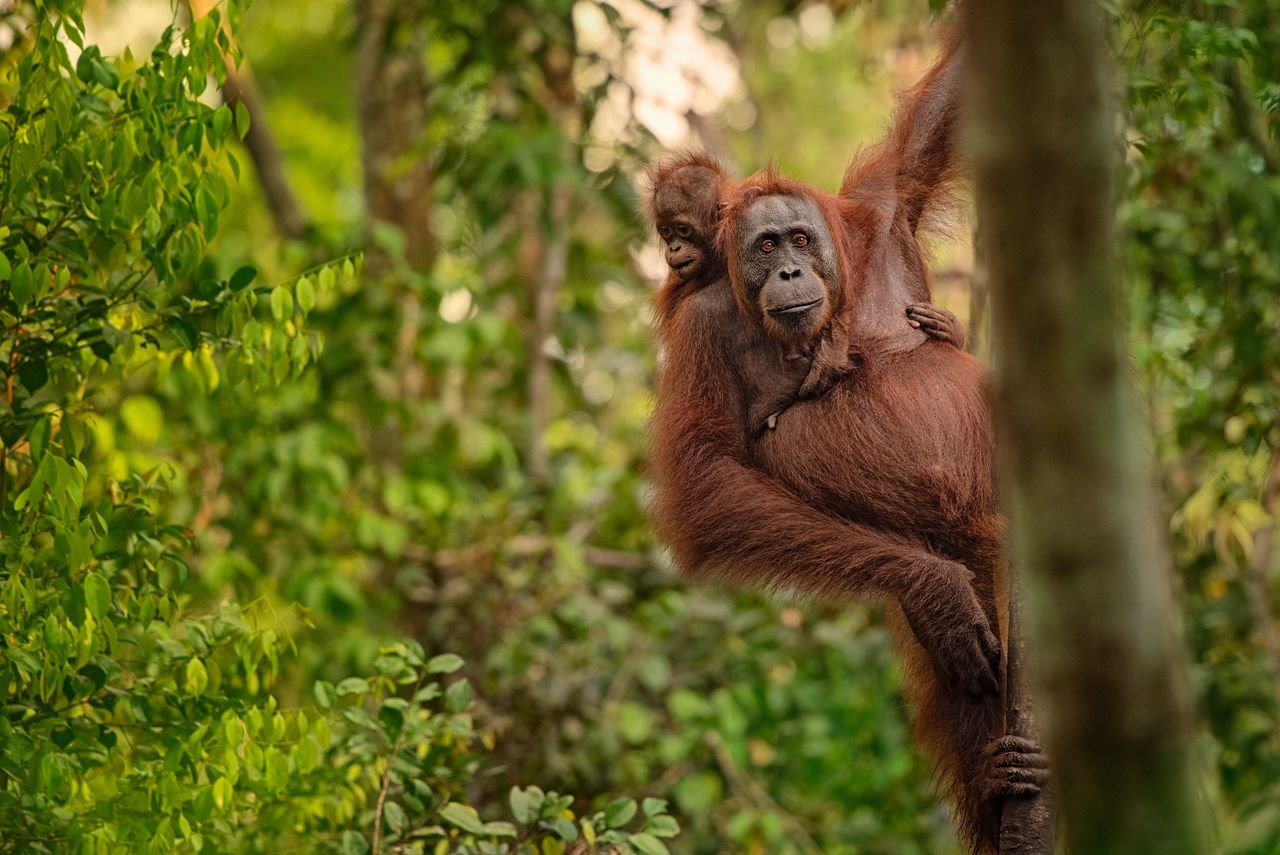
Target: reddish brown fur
(669,170)
(882,487)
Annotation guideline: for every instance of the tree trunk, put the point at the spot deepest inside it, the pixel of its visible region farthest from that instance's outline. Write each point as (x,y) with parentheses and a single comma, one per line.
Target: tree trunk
(1257,573)
(556,65)
(552,269)
(391,90)
(1026,825)
(1099,605)
(979,343)
(240,88)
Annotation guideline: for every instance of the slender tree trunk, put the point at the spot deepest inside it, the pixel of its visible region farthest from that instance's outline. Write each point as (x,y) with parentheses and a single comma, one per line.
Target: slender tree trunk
(1099,605)
(552,270)
(556,221)
(240,88)
(1026,825)
(1259,570)
(391,90)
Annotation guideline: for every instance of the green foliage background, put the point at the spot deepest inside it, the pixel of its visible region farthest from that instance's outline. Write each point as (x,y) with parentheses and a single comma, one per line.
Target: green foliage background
(277,572)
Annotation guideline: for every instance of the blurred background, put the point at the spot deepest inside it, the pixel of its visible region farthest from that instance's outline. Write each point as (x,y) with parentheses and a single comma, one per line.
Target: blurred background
(439,449)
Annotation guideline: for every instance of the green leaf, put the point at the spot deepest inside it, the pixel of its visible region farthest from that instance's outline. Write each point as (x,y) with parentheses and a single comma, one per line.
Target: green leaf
(197,678)
(221,121)
(281,303)
(698,793)
(306,294)
(38,439)
(653,807)
(445,663)
(462,816)
(97,595)
(324,694)
(353,686)
(522,806)
(105,73)
(242,119)
(22,284)
(354,843)
(394,816)
(458,696)
(325,279)
(500,829)
(84,65)
(647,844)
(619,812)
(662,826)
(242,277)
(34,374)
(223,792)
(142,417)
(635,722)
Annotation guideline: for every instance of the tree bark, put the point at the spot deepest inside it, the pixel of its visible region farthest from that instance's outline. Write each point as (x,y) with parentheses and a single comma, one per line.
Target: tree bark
(979,343)
(565,112)
(1026,825)
(552,269)
(391,90)
(1258,571)
(1099,604)
(239,88)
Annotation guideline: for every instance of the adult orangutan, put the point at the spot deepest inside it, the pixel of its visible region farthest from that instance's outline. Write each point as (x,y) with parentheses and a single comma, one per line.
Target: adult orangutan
(882,486)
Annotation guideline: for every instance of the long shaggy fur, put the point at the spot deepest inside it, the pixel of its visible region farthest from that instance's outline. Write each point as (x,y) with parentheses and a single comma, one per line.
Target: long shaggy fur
(881,487)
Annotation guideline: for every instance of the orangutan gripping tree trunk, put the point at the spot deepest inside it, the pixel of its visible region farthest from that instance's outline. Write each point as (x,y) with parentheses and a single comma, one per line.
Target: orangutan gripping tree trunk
(882,486)
(1114,707)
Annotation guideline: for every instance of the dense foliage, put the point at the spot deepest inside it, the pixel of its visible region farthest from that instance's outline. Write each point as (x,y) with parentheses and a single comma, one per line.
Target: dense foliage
(142,705)
(260,498)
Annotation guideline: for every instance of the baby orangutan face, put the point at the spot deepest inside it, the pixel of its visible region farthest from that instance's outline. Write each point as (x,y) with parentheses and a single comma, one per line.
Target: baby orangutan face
(685,210)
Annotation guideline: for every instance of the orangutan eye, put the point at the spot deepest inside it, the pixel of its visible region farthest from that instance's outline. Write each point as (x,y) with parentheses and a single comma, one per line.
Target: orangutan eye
(800,240)
(767,245)
(683,230)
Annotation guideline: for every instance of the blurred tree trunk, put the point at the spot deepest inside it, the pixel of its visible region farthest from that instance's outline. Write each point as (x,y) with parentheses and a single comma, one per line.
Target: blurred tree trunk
(391,91)
(979,343)
(552,230)
(1259,569)
(552,269)
(240,88)
(391,94)
(1100,612)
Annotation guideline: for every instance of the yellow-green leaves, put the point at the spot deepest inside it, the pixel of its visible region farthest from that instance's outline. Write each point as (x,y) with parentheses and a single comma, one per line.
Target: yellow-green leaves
(142,417)
(97,595)
(197,677)
(281,303)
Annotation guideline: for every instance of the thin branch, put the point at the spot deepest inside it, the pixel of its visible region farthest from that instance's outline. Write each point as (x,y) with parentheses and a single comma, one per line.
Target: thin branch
(757,794)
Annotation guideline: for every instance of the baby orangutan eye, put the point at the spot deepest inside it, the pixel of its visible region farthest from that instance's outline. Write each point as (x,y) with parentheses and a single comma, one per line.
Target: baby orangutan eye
(800,240)
(683,230)
(767,245)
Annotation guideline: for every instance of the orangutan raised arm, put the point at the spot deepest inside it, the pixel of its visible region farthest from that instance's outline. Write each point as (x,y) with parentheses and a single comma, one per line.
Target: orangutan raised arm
(915,166)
